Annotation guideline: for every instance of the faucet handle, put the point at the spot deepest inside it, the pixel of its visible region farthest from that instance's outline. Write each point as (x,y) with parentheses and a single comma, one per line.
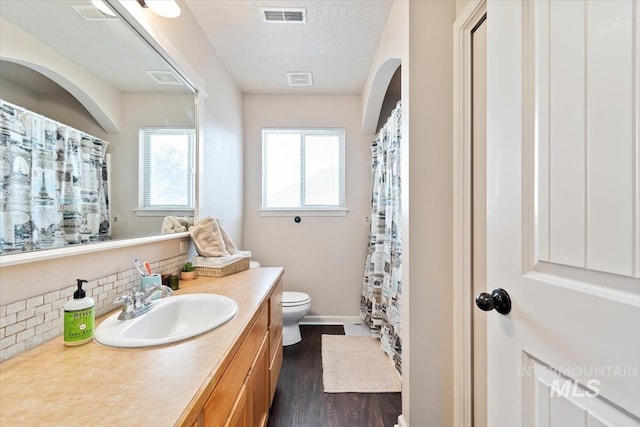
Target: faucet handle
(127,305)
(126,299)
(139,299)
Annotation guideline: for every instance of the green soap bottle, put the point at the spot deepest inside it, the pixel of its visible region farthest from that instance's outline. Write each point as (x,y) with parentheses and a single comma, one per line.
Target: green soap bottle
(79,317)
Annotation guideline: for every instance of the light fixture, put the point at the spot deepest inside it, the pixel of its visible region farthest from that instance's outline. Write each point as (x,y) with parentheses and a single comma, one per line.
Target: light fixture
(102,7)
(165,8)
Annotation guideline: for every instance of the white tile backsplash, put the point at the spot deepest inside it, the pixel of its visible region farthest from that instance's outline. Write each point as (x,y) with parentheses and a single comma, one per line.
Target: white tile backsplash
(30,322)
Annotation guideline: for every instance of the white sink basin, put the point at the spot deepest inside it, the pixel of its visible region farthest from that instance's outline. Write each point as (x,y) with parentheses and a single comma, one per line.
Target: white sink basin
(171,319)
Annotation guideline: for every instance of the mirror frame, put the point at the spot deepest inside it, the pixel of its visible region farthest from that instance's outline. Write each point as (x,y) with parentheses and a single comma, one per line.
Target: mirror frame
(127,15)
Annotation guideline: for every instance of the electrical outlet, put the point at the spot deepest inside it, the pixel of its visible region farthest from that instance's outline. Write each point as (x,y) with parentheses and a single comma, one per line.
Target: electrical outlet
(184,247)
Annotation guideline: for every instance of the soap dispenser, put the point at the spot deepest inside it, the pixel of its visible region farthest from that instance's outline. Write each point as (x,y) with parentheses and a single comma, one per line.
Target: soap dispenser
(79,316)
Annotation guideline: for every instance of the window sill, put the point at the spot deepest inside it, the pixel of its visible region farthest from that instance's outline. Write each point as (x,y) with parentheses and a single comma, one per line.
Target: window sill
(304,212)
(164,212)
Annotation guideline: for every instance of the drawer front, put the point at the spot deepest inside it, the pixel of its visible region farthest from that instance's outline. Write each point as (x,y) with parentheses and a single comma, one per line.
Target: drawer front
(274,370)
(220,403)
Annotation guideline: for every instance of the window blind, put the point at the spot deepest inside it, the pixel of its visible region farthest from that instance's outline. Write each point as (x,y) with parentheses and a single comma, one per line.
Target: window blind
(303,168)
(167,168)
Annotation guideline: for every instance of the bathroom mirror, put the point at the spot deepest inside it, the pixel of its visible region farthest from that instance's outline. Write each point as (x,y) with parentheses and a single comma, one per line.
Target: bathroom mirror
(79,67)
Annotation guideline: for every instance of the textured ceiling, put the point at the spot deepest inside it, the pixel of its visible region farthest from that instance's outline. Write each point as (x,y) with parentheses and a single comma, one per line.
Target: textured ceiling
(337,44)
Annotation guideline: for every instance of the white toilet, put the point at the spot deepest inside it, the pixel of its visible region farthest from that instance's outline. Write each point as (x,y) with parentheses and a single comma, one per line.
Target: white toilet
(295,305)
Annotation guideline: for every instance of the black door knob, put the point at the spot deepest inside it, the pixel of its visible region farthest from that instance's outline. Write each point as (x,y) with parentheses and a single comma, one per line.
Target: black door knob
(498,299)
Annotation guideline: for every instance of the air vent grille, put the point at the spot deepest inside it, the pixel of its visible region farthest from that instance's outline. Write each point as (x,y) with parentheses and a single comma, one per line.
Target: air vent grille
(300,79)
(285,15)
(165,77)
(91,13)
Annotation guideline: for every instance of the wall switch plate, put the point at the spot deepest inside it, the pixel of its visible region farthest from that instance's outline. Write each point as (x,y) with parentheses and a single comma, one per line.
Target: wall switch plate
(184,247)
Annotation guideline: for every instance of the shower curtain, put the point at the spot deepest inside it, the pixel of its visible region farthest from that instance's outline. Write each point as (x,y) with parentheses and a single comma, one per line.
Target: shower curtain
(381,285)
(54,183)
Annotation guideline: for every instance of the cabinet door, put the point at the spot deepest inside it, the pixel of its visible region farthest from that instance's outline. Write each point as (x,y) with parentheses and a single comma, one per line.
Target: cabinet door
(237,418)
(274,370)
(223,397)
(258,388)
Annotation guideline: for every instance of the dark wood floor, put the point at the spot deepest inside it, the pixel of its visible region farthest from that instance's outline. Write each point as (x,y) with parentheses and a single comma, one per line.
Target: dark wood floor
(300,401)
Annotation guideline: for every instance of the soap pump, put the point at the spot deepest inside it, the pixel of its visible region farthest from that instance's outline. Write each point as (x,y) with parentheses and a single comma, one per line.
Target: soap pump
(79,317)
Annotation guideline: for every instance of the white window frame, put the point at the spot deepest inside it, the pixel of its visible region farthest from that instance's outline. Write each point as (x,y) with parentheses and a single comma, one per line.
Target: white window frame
(309,210)
(146,209)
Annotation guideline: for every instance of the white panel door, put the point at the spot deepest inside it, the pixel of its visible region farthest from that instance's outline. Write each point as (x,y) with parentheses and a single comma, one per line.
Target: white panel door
(563,227)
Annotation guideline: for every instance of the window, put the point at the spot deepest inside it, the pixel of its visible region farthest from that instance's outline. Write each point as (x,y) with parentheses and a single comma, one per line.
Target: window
(303,169)
(166,169)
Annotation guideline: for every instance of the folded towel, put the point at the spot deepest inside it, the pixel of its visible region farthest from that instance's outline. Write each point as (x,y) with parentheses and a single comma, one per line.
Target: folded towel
(175,224)
(207,238)
(228,243)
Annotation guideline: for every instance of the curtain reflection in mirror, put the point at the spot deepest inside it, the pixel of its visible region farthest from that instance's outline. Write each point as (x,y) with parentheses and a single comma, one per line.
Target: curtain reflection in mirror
(54,183)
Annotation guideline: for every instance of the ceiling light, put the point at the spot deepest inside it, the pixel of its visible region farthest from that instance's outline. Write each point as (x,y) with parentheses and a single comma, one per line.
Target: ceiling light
(91,13)
(102,7)
(164,8)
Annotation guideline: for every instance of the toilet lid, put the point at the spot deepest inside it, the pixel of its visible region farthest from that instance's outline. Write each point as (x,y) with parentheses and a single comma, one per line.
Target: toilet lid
(295,298)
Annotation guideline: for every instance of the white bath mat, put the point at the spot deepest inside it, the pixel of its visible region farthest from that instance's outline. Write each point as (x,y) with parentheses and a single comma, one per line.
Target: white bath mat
(356,364)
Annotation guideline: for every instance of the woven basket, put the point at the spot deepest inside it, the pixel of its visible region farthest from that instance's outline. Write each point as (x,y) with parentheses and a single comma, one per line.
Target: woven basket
(236,267)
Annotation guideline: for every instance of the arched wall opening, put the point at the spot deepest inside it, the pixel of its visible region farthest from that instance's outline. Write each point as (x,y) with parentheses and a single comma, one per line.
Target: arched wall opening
(379,87)
(84,98)
(391,98)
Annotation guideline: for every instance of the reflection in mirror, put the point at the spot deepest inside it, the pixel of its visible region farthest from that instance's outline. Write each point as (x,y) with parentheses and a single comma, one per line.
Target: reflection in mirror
(94,83)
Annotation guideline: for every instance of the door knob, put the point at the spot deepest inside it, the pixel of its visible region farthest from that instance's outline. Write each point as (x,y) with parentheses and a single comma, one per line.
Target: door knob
(498,299)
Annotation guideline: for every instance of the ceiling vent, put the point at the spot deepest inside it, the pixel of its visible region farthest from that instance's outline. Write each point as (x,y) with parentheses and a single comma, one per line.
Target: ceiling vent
(300,79)
(91,13)
(285,15)
(165,77)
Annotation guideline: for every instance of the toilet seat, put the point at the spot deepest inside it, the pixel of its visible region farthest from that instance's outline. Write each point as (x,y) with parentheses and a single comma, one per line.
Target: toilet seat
(294,299)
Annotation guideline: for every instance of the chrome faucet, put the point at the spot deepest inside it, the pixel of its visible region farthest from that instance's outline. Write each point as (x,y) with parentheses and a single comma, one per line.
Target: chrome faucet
(137,303)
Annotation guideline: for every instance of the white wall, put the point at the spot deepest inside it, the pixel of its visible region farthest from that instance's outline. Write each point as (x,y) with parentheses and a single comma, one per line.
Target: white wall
(430,212)
(460,4)
(322,256)
(420,34)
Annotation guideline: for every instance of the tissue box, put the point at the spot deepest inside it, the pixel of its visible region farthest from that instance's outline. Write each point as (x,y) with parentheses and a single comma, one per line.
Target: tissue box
(220,267)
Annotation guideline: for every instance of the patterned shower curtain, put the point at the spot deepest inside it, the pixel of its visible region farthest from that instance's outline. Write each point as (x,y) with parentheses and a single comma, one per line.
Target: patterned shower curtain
(381,286)
(54,183)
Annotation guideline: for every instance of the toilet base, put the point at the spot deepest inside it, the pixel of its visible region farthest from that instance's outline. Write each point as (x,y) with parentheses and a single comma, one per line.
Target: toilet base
(291,334)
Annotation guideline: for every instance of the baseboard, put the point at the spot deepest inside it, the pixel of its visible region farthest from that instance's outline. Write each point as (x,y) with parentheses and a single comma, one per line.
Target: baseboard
(402,422)
(331,320)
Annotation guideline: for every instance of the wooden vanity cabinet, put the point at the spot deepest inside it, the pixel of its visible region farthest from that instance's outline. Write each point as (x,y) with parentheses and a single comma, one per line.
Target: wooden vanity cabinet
(244,393)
